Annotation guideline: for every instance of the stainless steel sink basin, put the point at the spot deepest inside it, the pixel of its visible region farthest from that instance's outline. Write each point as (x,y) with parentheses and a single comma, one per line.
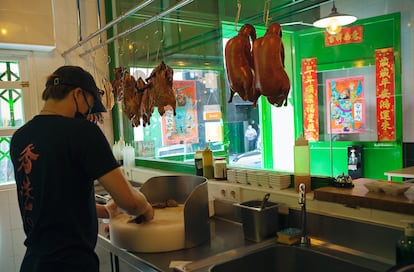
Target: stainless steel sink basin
(270,256)
(292,258)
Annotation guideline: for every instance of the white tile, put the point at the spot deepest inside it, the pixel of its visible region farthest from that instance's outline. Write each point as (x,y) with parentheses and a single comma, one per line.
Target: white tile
(18,237)
(4,197)
(4,211)
(6,243)
(14,212)
(17,262)
(7,263)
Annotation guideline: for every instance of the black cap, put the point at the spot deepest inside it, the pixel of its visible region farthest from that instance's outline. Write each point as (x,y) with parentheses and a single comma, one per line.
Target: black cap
(75,76)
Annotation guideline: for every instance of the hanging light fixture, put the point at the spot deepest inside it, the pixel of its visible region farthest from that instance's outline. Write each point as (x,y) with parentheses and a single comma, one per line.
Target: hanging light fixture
(334,21)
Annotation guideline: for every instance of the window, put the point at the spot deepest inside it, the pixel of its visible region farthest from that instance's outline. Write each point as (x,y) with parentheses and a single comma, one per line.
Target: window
(12,110)
(205,115)
(198,119)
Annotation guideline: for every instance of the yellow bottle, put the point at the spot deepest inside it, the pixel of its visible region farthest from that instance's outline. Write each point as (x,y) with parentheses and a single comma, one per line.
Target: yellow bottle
(208,170)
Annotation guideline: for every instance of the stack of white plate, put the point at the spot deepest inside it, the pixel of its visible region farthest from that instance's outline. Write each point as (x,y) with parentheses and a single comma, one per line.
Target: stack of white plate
(262,178)
(278,181)
(241,176)
(252,178)
(231,175)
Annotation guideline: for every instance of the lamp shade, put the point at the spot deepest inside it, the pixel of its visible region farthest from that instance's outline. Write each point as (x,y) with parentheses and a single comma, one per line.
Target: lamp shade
(334,21)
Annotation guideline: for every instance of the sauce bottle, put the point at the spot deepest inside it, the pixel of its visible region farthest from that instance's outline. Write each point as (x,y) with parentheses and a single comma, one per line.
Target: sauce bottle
(208,170)
(198,161)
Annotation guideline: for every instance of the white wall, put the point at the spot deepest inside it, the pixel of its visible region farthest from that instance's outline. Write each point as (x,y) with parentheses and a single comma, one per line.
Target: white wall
(41,62)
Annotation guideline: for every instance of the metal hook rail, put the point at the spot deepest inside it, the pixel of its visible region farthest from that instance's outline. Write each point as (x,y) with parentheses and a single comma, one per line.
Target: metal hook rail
(110,24)
(138,26)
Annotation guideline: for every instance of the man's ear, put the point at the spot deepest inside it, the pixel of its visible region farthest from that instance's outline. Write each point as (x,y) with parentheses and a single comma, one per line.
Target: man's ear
(77,91)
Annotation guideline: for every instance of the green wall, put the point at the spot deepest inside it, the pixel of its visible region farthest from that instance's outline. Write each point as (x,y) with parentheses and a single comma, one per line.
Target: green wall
(330,157)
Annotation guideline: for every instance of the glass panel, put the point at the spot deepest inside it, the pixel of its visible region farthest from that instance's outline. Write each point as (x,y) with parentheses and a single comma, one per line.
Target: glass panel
(11,108)
(6,166)
(198,118)
(9,71)
(349,105)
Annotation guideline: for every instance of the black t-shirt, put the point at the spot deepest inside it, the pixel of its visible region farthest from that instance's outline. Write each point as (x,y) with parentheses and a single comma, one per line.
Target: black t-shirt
(56,159)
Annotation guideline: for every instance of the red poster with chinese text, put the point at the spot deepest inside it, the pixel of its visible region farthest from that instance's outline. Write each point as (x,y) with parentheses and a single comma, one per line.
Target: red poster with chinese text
(345,105)
(310,99)
(385,93)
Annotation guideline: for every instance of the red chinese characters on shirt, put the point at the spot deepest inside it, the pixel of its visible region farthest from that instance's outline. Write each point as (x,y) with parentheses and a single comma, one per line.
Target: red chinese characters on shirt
(310,99)
(25,159)
(385,93)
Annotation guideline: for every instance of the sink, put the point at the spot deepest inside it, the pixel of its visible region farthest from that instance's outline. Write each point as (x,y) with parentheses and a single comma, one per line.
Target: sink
(288,258)
(271,256)
(294,258)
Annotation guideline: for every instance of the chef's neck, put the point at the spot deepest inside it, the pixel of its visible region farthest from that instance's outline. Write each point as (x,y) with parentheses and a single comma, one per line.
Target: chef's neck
(62,107)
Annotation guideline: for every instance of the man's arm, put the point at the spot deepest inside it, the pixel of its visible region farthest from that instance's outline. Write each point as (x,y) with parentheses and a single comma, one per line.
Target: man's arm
(125,196)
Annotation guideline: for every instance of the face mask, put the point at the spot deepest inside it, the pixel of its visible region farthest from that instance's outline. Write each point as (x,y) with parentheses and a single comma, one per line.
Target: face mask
(78,114)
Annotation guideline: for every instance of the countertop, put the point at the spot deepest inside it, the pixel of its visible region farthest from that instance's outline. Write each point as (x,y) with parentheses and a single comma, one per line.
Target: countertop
(359,196)
(224,235)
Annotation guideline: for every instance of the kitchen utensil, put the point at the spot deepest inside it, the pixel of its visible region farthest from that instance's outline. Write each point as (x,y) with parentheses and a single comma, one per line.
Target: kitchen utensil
(264,201)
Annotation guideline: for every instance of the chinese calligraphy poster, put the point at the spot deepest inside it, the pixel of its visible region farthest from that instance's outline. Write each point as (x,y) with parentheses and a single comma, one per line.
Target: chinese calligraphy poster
(181,128)
(346,107)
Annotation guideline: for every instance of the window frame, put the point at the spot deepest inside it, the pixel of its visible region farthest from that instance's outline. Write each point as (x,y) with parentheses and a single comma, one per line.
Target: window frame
(29,97)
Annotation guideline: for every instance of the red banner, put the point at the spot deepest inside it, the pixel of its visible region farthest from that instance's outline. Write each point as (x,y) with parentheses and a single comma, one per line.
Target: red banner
(351,34)
(310,99)
(385,93)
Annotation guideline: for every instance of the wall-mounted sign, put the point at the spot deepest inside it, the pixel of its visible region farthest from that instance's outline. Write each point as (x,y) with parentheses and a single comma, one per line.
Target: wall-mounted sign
(310,99)
(385,93)
(351,34)
(345,105)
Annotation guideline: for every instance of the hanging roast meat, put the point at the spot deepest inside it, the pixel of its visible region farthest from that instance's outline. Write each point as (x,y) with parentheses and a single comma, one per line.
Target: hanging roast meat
(108,99)
(132,100)
(239,64)
(140,97)
(271,79)
(117,83)
(160,88)
(146,106)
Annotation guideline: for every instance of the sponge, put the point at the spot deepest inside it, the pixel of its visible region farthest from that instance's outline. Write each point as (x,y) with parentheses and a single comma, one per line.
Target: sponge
(289,236)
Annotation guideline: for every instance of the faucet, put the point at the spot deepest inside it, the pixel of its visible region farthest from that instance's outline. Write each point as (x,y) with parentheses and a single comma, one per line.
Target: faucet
(304,239)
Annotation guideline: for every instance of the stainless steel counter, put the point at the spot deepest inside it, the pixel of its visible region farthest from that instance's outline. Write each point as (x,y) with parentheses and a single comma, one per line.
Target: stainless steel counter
(224,235)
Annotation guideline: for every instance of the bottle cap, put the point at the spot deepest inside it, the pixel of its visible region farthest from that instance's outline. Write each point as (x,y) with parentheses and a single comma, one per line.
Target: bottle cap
(301,141)
(409,229)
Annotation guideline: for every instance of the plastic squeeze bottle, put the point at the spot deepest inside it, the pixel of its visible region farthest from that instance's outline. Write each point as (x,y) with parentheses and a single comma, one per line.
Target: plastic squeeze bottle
(302,163)
(208,170)
(198,162)
(405,245)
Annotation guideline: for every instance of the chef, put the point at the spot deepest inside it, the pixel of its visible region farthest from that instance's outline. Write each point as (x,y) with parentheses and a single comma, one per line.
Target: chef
(56,157)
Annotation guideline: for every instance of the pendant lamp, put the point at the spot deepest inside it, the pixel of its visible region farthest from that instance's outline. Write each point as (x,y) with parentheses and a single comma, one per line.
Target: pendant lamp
(334,21)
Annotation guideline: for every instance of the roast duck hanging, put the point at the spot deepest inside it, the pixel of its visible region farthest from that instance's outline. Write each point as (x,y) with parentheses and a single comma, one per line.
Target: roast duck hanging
(140,96)
(259,69)
(239,64)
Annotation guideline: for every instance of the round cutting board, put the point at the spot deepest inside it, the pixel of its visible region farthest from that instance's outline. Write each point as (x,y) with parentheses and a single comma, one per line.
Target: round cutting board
(164,233)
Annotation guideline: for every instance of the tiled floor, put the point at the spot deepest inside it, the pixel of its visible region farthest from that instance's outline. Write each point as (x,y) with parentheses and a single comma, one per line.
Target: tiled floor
(11,230)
